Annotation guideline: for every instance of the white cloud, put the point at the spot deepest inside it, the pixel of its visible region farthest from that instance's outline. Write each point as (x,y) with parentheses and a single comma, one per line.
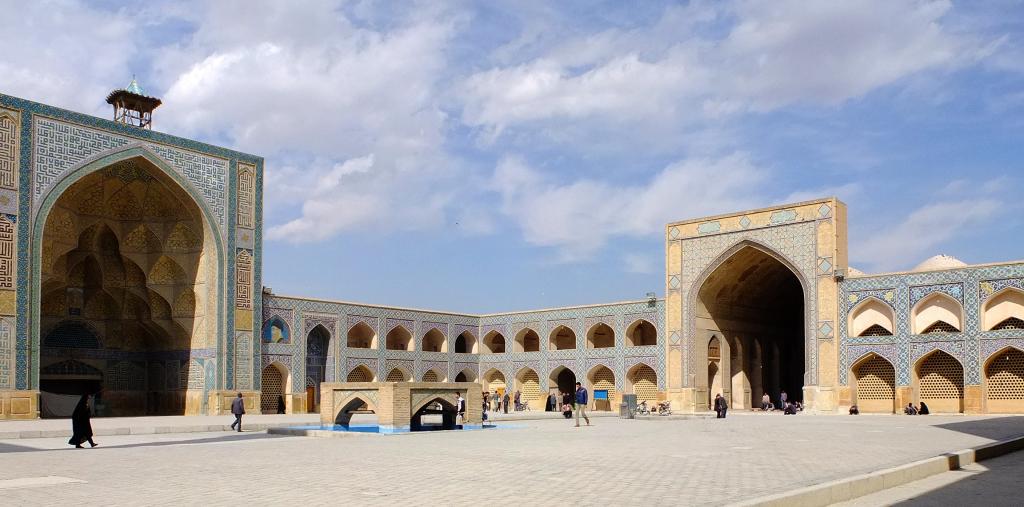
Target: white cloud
(916,237)
(577,218)
(775,53)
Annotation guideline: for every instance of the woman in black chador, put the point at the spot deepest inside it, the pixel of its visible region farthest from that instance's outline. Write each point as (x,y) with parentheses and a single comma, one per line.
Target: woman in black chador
(80,426)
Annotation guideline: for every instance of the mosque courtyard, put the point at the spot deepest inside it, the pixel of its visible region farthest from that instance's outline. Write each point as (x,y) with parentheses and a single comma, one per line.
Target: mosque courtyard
(542,462)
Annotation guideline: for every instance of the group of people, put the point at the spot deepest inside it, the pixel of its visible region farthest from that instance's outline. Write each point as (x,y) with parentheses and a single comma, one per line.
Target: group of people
(912,410)
(495,401)
(788,407)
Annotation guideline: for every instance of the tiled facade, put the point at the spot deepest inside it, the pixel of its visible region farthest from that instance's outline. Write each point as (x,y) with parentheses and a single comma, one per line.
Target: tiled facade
(45,150)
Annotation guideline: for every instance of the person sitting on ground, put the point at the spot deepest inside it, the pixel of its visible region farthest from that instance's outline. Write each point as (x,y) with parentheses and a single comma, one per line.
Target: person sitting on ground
(910,410)
(766,402)
(923,410)
(798,406)
(854,410)
(790,409)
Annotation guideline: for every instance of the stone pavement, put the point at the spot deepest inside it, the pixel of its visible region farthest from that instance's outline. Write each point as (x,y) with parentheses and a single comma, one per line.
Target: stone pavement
(990,482)
(543,462)
(147,425)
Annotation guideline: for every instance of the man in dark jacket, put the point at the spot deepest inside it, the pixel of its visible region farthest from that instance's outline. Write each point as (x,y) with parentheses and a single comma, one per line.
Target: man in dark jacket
(720,406)
(238,408)
(581,404)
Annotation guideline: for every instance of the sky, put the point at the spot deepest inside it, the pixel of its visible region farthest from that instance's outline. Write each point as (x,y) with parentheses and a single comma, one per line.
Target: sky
(507,155)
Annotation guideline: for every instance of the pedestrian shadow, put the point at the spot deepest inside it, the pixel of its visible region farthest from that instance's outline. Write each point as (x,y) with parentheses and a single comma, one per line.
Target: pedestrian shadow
(8,448)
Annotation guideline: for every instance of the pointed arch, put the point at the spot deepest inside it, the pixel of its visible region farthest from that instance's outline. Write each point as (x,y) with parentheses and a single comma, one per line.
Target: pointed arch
(167,175)
(528,385)
(361,336)
(275,383)
(434,375)
(642,381)
(562,338)
(563,378)
(527,340)
(868,316)
(935,308)
(1000,307)
(466,375)
(494,343)
(360,374)
(939,382)
(434,340)
(641,333)
(600,336)
(601,382)
(873,389)
(398,374)
(357,403)
(465,343)
(1004,381)
(399,338)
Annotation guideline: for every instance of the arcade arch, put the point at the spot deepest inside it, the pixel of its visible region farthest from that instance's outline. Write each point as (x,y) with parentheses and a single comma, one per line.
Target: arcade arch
(564,379)
(275,383)
(435,341)
(399,338)
(939,382)
(494,381)
(600,336)
(601,382)
(642,381)
(494,343)
(528,385)
(433,375)
(1004,381)
(465,343)
(1004,310)
(276,331)
(641,334)
(562,338)
(126,252)
(527,340)
(466,375)
(361,336)
(874,385)
(397,374)
(937,313)
(872,317)
(360,374)
(751,302)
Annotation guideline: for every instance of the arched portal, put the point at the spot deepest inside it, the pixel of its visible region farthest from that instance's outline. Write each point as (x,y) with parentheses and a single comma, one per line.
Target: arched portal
(756,296)
(494,382)
(874,385)
(600,336)
(317,342)
(274,386)
(564,378)
(528,385)
(939,382)
(126,251)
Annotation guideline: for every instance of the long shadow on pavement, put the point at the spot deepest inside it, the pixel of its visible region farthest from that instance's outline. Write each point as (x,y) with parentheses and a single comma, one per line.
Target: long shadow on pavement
(999,428)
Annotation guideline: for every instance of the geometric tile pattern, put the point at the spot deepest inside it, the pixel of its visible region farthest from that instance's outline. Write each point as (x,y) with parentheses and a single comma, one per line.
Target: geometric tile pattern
(305,312)
(969,285)
(61,146)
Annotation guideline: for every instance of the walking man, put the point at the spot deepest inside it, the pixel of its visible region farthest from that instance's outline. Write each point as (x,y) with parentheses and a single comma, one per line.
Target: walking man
(460,406)
(238,408)
(581,404)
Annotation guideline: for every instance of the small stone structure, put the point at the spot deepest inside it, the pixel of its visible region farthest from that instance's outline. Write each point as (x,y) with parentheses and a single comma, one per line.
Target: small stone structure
(399,405)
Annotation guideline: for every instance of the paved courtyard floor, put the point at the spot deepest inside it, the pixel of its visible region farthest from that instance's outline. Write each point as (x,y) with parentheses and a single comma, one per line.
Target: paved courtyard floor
(542,462)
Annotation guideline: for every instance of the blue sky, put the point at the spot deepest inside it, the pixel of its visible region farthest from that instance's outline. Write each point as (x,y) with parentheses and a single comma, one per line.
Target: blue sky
(492,156)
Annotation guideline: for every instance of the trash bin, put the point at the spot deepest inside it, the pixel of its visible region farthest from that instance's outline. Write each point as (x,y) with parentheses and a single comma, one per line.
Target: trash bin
(628,406)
